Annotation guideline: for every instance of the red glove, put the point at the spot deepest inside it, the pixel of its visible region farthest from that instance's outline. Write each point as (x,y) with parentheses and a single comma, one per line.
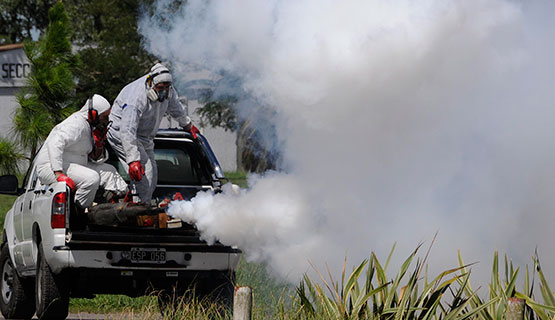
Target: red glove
(67,180)
(99,137)
(194,131)
(136,171)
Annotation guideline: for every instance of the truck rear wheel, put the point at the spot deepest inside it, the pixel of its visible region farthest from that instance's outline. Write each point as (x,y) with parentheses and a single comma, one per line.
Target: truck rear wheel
(219,291)
(52,298)
(16,301)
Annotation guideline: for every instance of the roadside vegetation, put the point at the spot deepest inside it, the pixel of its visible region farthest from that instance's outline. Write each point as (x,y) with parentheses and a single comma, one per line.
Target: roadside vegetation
(369,291)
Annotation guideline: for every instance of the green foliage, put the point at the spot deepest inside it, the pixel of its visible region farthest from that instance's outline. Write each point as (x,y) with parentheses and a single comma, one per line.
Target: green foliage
(19,18)
(254,155)
(104,31)
(47,98)
(219,113)
(10,156)
(270,294)
(6,203)
(377,297)
(123,307)
(52,64)
(113,58)
(31,127)
(545,310)
(239,178)
(104,303)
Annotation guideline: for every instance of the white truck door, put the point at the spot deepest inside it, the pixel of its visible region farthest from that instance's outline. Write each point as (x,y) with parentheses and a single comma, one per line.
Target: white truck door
(26,218)
(21,207)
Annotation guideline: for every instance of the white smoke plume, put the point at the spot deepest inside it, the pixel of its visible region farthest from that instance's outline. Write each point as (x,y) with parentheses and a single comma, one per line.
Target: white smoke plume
(396,119)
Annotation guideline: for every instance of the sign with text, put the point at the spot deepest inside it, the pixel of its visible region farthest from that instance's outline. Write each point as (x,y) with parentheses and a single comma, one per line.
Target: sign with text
(14,68)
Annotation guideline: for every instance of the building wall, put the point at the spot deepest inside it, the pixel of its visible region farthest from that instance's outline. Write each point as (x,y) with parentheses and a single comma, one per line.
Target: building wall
(14,68)
(8,105)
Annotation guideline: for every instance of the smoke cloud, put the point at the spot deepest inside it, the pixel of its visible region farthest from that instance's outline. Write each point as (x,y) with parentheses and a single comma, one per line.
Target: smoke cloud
(395,119)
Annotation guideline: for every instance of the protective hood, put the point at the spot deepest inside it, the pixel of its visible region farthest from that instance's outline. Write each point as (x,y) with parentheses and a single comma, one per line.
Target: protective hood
(99,103)
(160,73)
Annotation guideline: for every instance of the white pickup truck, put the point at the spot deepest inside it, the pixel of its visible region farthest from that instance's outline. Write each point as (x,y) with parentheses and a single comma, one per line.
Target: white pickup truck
(48,255)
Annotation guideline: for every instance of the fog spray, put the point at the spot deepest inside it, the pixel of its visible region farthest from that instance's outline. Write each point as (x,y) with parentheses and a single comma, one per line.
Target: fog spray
(394,119)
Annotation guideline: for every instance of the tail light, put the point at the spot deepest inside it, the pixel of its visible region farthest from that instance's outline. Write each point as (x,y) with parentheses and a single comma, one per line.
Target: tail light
(58,217)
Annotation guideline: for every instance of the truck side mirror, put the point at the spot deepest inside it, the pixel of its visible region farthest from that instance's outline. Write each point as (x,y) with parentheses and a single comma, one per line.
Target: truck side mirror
(8,185)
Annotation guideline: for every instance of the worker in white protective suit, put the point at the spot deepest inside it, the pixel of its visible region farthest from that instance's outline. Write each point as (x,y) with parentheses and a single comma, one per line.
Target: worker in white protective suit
(136,115)
(74,152)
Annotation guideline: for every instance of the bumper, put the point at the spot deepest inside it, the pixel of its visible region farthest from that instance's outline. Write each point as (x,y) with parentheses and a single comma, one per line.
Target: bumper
(119,259)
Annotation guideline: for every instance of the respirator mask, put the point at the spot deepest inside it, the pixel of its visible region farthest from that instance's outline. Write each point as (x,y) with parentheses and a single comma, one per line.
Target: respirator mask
(158,91)
(160,95)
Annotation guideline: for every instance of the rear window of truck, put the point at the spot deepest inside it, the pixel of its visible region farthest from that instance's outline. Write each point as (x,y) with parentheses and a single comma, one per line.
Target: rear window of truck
(179,163)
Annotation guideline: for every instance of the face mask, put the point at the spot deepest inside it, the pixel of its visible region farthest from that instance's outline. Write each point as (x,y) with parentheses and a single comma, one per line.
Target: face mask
(163,95)
(104,126)
(152,95)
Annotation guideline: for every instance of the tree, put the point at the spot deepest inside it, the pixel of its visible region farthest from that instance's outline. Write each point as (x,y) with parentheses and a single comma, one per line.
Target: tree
(110,45)
(10,156)
(47,98)
(20,18)
(255,149)
(105,33)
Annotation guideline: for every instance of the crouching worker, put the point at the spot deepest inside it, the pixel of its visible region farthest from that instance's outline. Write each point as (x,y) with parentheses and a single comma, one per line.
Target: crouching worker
(74,153)
(137,112)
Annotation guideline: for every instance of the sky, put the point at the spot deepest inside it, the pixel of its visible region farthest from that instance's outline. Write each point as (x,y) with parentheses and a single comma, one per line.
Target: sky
(395,120)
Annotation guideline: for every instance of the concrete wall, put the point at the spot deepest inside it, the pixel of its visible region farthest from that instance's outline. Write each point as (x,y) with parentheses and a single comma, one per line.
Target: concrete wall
(14,68)
(8,105)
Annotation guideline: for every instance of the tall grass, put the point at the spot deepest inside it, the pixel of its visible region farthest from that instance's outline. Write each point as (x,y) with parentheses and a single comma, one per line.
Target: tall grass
(368,293)
(271,295)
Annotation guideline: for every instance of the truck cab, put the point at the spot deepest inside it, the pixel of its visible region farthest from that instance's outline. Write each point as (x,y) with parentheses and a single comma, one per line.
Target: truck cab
(50,255)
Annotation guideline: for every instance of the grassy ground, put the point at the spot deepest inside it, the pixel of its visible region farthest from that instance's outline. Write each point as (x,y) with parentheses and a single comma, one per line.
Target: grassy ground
(268,291)
(6,203)
(366,293)
(238,178)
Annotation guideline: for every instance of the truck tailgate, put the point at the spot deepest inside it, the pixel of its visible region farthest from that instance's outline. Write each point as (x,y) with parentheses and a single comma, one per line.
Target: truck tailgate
(103,237)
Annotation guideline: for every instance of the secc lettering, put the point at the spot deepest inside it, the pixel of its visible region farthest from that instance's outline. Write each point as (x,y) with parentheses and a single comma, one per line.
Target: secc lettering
(15,70)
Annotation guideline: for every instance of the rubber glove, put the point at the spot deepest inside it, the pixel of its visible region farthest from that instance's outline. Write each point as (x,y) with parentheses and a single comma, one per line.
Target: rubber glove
(67,180)
(194,131)
(136,171)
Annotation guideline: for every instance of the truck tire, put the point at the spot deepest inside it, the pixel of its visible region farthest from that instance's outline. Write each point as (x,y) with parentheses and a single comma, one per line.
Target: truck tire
(221,292)
(52,297)
(17,301)
(219,289)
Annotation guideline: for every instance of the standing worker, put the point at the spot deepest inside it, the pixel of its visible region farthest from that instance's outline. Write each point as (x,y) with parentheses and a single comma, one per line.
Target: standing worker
(74,152)
(136,115)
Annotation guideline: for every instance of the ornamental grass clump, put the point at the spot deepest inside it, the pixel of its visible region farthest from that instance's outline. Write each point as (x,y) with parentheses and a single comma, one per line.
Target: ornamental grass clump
(378,297)
(368,293)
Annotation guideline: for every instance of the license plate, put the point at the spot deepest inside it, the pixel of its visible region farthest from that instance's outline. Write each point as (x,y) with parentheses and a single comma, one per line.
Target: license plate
(148,255)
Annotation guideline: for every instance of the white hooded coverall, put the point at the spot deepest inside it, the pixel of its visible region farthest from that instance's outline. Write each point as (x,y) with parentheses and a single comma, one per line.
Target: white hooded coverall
(66,149)
(135,121)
